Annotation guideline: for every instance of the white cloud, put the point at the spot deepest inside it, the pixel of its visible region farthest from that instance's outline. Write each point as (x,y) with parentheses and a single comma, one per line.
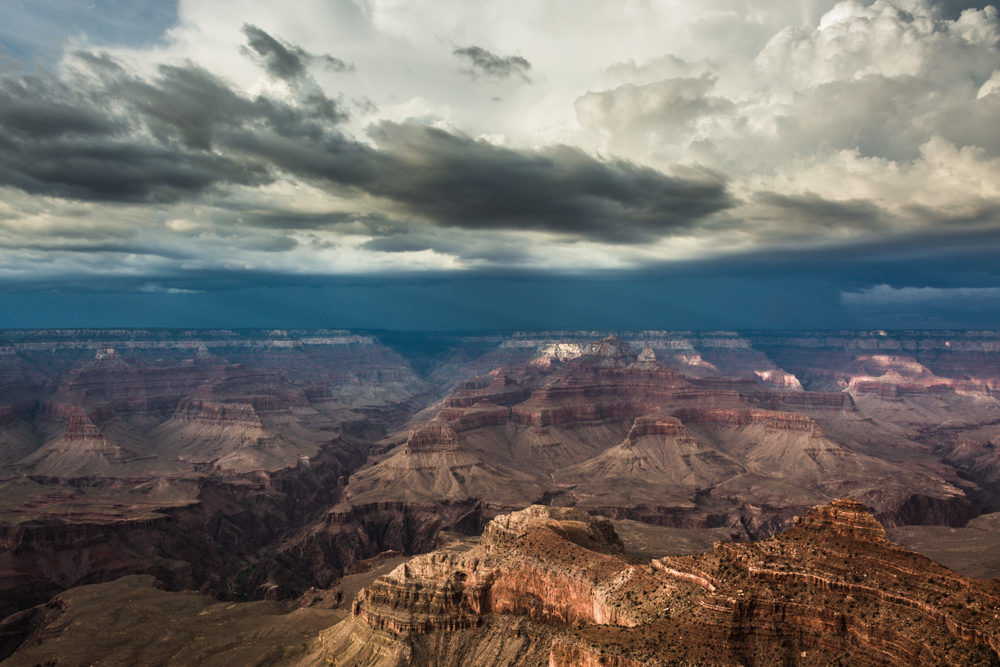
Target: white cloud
(886,295)
(991,86)
(154,288)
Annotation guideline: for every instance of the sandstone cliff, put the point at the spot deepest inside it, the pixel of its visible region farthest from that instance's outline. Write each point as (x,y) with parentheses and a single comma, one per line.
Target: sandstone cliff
(550,586)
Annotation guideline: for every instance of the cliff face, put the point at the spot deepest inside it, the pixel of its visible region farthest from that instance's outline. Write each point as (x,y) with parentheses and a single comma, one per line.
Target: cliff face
(599,426)
(774,423)
(433,466)
(191,534)
(555,566)
(546,564)
(550,587)
(144,452)
(432,438)
(832,588)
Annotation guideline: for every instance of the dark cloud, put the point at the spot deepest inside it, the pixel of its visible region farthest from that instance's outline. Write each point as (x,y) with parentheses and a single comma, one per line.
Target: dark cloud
(982,211)
(945,258)
(110,135)
(453,180)
(41,106)
(809,212)
(348,223)
(93,247)
(269,244)
(283,60)
(952,9)
(119,171)
(484,63)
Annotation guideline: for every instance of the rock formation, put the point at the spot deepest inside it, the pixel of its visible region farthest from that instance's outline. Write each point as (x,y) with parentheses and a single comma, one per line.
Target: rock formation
(550,586)
(134,452)
(600,426)
(258,464)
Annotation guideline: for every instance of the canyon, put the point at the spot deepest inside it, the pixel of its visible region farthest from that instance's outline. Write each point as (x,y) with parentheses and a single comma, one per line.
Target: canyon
(268,467)
(556,586)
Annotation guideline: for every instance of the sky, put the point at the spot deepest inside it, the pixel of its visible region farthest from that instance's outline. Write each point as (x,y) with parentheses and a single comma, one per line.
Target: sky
(462,164)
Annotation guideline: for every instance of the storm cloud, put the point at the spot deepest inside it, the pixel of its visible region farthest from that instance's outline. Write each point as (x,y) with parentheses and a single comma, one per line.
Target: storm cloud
(453,180)
(282,60)
(485,63)
(115,136)
(794,215)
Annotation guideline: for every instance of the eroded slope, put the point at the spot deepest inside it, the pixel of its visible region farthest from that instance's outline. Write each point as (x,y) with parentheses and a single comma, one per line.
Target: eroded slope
(551,586)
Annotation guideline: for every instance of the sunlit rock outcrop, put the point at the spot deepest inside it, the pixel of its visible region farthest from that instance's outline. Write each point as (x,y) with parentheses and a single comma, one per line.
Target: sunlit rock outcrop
(832,588)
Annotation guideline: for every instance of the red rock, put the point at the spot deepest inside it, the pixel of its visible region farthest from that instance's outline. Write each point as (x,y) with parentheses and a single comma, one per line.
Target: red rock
(831,588)
(432,438)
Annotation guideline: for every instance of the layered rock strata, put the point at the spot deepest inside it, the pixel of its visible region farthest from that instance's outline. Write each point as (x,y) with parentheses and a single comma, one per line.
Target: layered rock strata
(147,450)
(831,590)
(152,452)
(602,427)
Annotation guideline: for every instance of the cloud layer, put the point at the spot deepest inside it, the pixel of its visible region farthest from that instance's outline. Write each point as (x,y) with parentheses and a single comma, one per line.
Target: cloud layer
(381,136)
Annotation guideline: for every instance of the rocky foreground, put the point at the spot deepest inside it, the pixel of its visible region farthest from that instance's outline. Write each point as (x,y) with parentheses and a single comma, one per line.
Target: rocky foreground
(556,587)
(548,586)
